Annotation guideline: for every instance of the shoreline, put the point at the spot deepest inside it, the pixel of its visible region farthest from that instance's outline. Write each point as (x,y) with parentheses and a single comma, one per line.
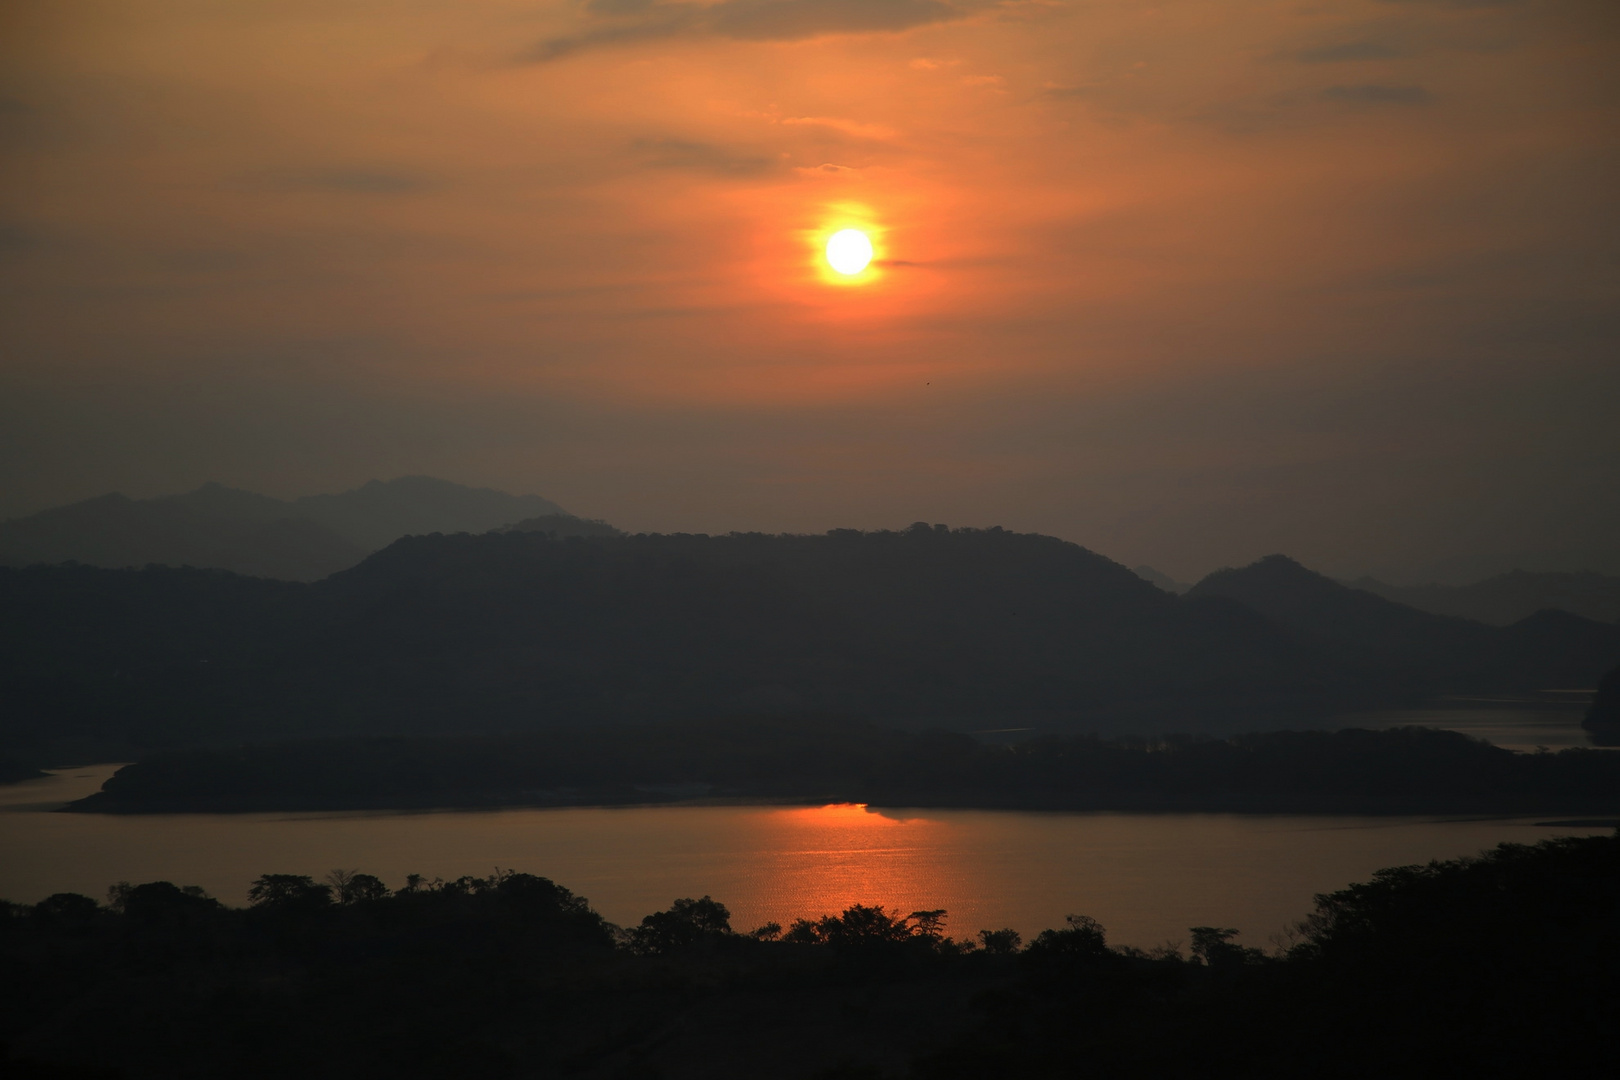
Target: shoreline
(1583,814)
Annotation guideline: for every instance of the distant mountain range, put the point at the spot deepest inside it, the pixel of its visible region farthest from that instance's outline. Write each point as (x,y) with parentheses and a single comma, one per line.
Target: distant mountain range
(310,538)
(1507,598)
(561,525)
(299,540)
(524,629)
(1498,601)
(1385,640)
(1162,580)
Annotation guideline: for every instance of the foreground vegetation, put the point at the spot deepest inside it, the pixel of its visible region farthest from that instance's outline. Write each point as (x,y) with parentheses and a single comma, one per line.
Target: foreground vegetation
(1496,966)
(1405,770)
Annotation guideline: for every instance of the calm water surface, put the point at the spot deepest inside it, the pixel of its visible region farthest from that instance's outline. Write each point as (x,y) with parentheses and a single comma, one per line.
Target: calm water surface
(1147,877)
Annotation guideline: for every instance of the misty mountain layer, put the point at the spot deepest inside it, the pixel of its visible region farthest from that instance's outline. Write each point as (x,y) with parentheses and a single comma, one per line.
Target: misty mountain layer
(298,540)
(1507,598)
(523,630)
(1382,639)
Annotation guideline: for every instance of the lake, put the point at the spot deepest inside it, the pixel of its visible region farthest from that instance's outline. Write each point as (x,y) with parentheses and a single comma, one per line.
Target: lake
(1146,877)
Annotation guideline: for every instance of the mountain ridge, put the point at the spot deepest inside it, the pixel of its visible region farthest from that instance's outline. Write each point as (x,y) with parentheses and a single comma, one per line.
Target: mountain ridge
(508,631)
(1372,634)
(216,526)
(1506,598)
(505,631)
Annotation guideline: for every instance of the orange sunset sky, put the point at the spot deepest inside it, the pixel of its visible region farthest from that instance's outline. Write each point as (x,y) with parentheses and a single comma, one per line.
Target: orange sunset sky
(1184,282)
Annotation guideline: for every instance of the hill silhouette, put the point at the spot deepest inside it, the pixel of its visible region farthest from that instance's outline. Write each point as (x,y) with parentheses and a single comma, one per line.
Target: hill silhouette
(1162,580)
(562,525)
(213,526)
(826,760)
(1402,646)
(220,527)
(521,630)
(377,513)
(524,630)
(1507,598)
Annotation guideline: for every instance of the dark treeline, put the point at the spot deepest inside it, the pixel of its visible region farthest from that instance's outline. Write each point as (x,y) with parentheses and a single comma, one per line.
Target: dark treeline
(1403,770)
(1603,717)
(1496,966)
(523,630)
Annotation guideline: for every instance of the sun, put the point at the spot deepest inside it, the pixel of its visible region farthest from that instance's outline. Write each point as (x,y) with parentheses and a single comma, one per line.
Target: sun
(849,251)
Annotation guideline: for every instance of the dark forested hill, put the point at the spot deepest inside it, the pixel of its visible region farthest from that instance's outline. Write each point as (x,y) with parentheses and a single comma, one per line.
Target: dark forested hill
(820,760)
(516,630)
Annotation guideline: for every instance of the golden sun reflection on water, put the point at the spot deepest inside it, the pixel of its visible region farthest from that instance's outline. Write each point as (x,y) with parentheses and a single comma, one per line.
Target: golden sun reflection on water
(830,857)
(1147,877)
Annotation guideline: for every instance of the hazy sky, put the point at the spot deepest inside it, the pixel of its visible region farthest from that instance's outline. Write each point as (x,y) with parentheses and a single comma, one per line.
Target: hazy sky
(1185,282)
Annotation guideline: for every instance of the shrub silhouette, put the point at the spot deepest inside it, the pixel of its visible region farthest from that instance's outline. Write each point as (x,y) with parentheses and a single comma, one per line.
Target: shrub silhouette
(685,923)
(289,892)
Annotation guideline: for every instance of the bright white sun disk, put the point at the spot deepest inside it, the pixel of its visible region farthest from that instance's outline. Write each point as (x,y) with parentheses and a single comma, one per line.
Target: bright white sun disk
(849,251)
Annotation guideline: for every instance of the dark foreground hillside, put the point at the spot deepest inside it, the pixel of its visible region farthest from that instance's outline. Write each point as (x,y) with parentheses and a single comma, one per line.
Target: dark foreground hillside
(1497,966)
(1403,771)
(522,630)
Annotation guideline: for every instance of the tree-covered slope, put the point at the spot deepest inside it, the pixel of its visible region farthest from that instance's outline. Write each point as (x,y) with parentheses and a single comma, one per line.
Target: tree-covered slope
(522,629)
(515,630)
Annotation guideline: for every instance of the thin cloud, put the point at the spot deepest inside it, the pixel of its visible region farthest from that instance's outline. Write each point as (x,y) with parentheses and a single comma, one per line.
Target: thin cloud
(853,128)
(1348,52)
(826,169)
(629,22)
(1455,3)
(349,181)
(1060,92)
(700,157)
(1377,94)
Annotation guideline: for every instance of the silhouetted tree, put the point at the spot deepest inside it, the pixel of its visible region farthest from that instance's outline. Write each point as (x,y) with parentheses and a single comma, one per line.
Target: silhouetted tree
(1082,939)
(289,892)
(1001,942)
(1212,946)
(928,924)
(161,903)
(862,924)
(686,922)
(68,911)
(351,887)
